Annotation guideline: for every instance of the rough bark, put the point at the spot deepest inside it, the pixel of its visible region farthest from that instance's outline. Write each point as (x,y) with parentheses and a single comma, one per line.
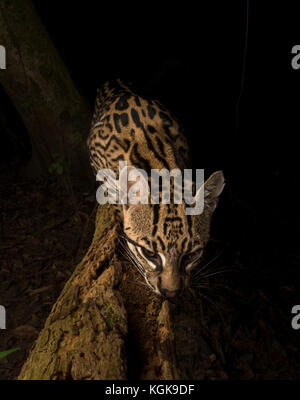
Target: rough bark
(167,346)
(39,85)
(187,347)
(84,335)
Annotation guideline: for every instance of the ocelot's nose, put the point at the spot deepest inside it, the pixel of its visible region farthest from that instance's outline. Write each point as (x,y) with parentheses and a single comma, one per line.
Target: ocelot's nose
(169,293)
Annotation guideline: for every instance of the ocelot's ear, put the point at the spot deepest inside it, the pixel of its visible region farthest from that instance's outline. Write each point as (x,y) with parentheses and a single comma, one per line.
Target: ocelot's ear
(213,187)
(133,186)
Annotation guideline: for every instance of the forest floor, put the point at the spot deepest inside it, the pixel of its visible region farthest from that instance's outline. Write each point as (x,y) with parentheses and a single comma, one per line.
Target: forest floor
(43,235)
(245,312)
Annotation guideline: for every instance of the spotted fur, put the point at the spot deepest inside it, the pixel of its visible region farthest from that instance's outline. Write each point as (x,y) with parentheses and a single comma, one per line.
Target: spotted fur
(162,241)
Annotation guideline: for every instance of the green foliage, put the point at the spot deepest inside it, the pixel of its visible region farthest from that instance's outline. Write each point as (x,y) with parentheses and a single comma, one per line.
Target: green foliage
(58,165)
(7,352)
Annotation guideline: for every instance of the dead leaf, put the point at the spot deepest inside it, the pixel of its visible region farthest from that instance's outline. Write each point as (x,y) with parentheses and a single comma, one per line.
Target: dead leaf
(39,290)
(25,330)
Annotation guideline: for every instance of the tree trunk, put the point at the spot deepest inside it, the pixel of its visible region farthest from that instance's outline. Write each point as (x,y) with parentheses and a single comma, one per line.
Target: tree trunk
(39,85)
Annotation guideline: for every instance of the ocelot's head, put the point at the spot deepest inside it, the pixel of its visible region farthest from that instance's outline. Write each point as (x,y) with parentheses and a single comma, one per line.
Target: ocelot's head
(165,243)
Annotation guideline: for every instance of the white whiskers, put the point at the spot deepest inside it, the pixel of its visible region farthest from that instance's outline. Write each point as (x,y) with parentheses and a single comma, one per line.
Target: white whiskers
(131,257)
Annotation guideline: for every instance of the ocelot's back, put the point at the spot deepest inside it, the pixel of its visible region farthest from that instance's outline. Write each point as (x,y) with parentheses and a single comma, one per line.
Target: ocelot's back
(163,242)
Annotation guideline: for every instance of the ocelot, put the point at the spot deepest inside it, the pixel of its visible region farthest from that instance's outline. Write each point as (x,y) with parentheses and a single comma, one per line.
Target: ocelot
(163,242)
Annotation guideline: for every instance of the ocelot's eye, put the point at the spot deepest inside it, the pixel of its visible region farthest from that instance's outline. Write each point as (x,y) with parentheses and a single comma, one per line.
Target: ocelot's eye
(151,256)
(188,259)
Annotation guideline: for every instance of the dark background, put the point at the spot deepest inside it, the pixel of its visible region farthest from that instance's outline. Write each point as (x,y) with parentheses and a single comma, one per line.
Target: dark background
(190,56)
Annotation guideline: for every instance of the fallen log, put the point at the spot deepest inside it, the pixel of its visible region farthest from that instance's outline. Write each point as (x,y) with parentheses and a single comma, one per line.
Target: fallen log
(84,335)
